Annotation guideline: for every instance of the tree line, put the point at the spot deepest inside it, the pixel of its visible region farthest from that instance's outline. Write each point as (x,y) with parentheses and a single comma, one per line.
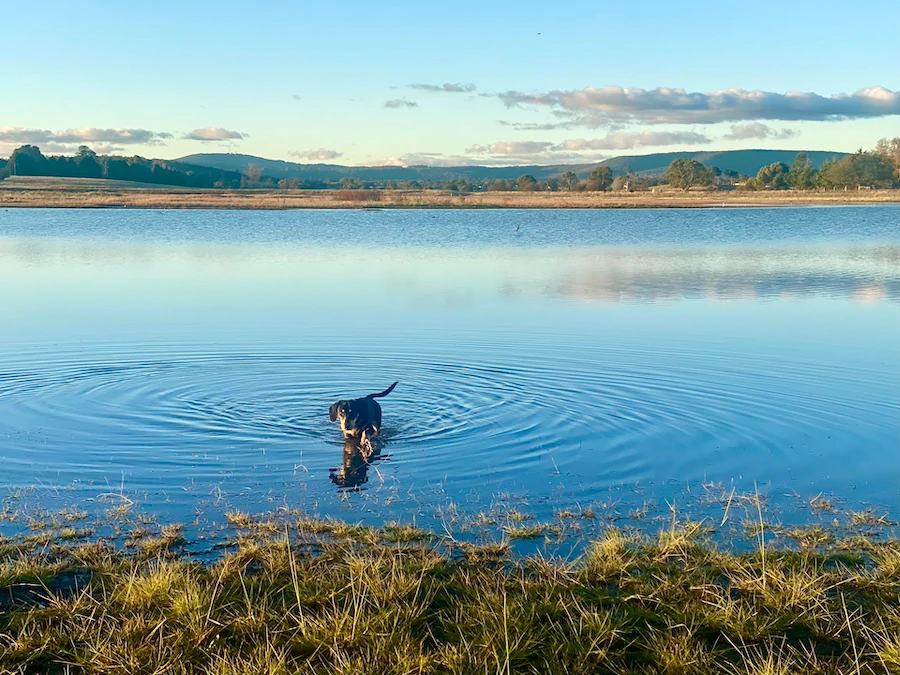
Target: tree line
(28,160)
(871,169)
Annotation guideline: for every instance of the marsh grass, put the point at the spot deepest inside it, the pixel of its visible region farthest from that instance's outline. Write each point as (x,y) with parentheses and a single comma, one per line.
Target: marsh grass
(69,193)
(329,597)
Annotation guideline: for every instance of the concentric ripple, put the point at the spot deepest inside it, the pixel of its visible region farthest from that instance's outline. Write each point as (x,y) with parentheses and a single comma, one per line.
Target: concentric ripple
(166,419)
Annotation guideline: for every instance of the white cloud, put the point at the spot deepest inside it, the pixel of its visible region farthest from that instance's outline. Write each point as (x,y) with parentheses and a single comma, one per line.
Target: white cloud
(599,106)
(102,141)
(758,130)
(320,155)
(82,136)
(449,87)
(628,140)
(214,134)
(511,148)
(400,103)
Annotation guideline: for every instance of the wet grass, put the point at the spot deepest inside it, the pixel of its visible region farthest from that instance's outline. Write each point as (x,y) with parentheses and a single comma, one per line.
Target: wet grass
(322,596)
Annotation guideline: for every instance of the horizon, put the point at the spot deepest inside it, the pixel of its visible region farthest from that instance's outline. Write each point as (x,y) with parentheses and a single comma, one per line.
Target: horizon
(358,85)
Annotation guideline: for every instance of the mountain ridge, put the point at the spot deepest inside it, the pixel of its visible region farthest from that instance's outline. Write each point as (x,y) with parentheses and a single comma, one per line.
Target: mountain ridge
(745,162)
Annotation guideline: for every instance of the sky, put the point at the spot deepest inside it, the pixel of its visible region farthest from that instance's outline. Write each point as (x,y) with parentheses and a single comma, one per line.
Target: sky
(366,83)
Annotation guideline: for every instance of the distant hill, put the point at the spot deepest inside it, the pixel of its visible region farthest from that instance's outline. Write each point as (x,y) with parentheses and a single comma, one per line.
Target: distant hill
(747,162)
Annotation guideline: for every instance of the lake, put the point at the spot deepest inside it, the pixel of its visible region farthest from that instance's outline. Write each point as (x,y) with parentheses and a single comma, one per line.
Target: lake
(554,360)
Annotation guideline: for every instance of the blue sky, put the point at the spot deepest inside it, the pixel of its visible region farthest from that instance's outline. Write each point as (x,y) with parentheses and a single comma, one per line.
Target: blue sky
(531,82)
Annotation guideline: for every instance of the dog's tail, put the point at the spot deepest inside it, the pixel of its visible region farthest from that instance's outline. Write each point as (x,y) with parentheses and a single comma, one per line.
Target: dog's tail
(385,392)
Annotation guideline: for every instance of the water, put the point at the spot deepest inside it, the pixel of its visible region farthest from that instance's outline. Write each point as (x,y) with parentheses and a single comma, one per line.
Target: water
(187,359)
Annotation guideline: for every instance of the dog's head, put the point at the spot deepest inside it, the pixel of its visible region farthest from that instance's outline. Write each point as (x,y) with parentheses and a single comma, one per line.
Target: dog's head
(348,414)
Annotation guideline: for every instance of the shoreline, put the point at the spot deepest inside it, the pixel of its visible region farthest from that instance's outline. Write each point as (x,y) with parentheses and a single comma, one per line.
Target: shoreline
(144,198)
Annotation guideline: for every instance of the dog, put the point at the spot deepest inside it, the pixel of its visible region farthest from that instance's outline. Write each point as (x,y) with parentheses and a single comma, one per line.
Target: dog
(360,417)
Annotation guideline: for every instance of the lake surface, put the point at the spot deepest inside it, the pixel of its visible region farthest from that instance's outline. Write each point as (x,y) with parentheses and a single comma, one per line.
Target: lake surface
(555,359)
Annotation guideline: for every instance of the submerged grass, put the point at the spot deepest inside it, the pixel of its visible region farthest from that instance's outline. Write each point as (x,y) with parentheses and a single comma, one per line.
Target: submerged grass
(327,597)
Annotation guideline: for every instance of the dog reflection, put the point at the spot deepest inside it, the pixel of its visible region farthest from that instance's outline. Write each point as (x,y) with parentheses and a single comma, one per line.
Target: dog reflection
(359,453)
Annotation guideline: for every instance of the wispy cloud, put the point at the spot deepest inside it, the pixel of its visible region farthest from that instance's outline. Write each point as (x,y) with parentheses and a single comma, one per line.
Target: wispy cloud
(628,140)
(599,106)
(758,130)
(511,148)
(449,87)
(400,103)
(214,134)
(320,155)
(297,97)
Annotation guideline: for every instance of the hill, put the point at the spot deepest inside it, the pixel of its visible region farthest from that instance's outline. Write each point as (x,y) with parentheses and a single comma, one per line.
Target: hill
(747,162)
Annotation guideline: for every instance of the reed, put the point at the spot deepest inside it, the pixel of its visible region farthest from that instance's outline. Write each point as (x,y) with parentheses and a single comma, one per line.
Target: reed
(338,199)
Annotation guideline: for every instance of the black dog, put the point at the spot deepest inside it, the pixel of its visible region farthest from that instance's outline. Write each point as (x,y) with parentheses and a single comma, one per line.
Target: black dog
(360,417)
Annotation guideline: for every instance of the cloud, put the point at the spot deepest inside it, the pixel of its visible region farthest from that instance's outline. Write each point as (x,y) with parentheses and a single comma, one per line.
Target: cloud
(741,132)
(214,134)
(511,148)
(584,150)
(320,155)
(627,140)
(68,137)
(296,97)
(400,103)
(593,106)
(533,126)
(449,87)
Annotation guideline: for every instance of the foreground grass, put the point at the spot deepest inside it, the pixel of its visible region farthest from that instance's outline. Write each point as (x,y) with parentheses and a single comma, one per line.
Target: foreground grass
(33,193)
(326,597)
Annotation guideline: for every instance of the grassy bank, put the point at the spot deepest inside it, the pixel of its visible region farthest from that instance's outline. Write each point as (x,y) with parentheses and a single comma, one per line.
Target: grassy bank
(323,596)
(58,195)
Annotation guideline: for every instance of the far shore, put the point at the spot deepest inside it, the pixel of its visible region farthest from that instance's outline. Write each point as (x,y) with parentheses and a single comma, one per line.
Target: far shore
(177,198)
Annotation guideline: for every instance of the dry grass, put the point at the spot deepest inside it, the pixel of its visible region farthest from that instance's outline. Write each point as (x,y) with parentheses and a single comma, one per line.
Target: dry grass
(327,597)
(99,195)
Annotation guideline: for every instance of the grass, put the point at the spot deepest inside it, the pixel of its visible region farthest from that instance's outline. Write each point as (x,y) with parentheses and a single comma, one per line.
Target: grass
(329,597)
(64,193)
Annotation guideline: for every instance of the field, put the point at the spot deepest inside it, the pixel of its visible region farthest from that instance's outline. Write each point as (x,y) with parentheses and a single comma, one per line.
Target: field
(86,193)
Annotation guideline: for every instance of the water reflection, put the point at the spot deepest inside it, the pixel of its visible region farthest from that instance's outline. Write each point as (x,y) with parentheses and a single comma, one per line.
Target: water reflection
(356,458)
(463,278)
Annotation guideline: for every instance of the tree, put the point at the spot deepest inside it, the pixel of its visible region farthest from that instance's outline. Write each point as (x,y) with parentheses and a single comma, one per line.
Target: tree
(289,184)
(526,183)
(351,183)
(686,173)
(27,161)
(568,181)
(254,174)
(801,175)
(861,169)
(601,178)
(86,163)
(771,177)
(889,150)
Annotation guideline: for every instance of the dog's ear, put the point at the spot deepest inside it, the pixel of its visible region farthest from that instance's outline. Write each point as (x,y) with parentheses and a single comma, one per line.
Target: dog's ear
(332,411)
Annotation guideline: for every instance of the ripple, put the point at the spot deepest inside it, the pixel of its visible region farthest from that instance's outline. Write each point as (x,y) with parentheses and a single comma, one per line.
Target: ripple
(591,415)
